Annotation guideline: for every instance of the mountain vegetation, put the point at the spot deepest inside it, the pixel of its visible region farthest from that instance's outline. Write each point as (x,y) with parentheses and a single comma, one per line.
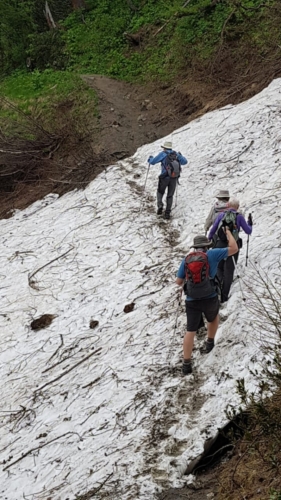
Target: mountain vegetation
(132,40)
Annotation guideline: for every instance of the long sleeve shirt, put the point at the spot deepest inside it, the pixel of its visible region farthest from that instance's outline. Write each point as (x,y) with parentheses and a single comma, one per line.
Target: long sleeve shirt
(240,221)
(161,156)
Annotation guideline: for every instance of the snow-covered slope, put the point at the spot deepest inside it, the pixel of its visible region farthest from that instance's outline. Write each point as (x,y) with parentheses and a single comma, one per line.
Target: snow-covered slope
(106,410)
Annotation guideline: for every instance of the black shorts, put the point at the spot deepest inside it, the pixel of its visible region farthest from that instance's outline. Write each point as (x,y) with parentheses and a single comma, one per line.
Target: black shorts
(195,308)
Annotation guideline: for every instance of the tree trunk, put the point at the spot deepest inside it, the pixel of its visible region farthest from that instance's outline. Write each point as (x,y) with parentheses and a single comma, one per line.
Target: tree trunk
(49,17)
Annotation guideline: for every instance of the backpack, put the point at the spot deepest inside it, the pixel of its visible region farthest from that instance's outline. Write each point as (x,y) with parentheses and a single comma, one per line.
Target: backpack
(172,164)
(198,283)
(218,208)
(229,219)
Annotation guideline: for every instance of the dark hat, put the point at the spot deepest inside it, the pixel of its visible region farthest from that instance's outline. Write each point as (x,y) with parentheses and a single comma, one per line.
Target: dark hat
(201,241)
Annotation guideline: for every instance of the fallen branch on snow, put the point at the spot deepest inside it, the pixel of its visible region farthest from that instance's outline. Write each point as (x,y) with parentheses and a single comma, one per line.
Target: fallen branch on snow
(38,448)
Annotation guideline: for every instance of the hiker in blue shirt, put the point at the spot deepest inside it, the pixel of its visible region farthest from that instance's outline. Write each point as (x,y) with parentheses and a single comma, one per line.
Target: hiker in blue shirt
(202,296)
(167,179)
(226,267)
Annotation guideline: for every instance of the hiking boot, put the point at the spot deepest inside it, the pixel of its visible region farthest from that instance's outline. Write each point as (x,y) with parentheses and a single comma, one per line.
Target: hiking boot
(209,346)
(167,216)
(159,211)
(186,367)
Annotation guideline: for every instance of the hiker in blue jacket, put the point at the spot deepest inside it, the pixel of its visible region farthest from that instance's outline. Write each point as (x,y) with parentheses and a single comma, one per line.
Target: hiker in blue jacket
(206,301)
(166,180)
(226,267)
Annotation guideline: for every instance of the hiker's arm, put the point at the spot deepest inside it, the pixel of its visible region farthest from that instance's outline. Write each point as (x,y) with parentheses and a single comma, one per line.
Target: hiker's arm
(209,219)
(156,159)
(232,245)
(182,159)
(179,281)
(181,274)
(246,228)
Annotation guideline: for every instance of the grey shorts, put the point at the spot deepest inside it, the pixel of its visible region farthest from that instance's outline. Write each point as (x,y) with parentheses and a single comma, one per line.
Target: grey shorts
(195,308)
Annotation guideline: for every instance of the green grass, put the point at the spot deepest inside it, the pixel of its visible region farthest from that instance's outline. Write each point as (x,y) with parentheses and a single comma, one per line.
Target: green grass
(48,83)
(39,93)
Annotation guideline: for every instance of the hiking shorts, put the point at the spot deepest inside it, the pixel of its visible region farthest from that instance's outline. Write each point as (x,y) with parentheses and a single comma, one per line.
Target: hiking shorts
(195,308)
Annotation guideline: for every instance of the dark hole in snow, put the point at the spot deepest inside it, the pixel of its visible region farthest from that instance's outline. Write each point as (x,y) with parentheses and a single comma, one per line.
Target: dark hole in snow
(42,322)
(93,323)
(129,307)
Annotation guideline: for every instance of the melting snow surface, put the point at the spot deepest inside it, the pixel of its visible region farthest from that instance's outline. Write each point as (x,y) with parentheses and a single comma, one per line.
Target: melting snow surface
(107,410)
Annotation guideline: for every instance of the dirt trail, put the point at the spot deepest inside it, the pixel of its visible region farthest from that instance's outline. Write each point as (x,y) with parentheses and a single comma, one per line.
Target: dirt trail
(131,115)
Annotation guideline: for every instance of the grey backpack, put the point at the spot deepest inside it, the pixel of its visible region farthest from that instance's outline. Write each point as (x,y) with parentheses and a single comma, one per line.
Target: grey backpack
(172,164)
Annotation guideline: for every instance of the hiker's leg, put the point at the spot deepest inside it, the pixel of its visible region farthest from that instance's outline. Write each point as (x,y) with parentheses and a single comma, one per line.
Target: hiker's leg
(162,184)
(212,327)
(194,315)
(228,275)
(171,190)
(188,342)
(211,311)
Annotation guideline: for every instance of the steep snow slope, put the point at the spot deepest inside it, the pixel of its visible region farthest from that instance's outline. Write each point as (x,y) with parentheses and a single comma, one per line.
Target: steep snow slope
(106,410)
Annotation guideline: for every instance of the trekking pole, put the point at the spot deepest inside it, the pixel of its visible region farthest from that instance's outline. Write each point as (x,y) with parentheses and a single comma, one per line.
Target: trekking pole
(235,267)
(247,253)
(142,199)
(176,196)
(177,312)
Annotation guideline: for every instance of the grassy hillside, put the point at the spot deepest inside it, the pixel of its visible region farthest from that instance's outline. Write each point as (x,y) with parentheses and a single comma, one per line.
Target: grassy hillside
(169,38)
(144,41)
(139,40)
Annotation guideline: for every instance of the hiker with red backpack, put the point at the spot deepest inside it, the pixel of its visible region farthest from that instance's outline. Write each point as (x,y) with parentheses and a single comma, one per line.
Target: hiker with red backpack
(198,271)
(220,206)
(235,221)
(171,162)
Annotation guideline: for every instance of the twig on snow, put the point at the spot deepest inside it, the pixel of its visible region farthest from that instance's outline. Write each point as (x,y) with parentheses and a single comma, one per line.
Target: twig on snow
(56,351)
(239,154)
(69,370)
(93,491)
(32,283)
(39,447)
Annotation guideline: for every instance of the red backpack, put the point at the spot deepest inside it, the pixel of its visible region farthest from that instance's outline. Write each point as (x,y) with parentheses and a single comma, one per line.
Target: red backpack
(198,283)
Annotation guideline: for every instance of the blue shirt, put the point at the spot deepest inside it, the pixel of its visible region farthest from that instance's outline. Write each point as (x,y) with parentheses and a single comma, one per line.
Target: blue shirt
(214,255)
(160,157)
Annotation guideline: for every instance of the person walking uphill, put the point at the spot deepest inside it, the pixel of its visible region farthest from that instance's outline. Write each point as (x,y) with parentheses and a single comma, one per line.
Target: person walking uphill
(220,206)
(171,162)
(198,271)
(235,221)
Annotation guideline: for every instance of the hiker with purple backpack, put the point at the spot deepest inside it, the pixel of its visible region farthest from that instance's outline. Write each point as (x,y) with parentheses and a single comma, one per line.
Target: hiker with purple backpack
(171,162)
(198,271)
(235,222)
